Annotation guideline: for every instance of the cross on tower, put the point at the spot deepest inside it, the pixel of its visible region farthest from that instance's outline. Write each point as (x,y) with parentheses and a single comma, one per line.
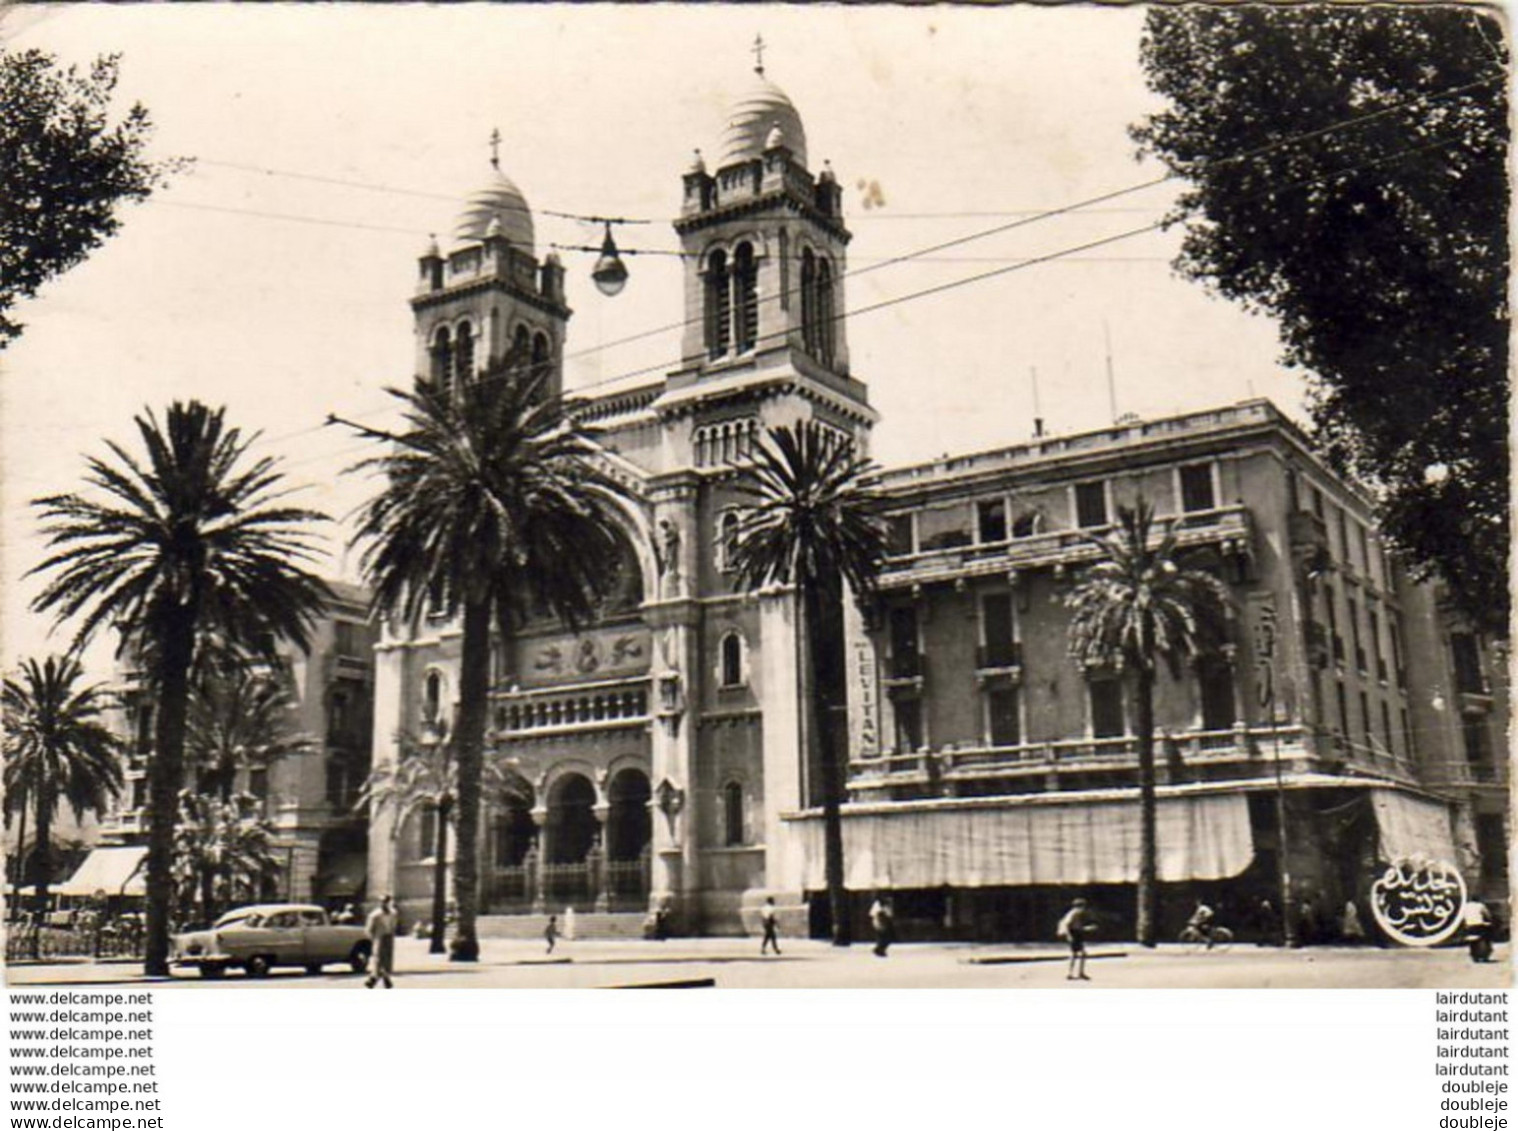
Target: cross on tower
(758,50)
(495,148)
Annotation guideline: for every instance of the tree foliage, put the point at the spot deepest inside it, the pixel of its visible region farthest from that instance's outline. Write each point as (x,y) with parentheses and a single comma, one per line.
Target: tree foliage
(65,166)
(495,508)
(1140,604)
(224,852)
(811,521)
(1348,171)
(191,547)
(58,749)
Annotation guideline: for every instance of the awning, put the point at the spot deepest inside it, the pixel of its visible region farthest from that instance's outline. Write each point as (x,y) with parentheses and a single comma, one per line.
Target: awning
(1016,843)
(343,875)
(113,871)
(1413,827)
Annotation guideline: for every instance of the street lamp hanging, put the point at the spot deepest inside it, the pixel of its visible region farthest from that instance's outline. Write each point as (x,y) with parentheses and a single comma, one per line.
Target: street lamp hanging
(609,273)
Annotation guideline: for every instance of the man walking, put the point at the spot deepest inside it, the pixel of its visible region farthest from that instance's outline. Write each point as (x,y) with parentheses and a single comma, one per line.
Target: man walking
(767,917)
(881,918)
(1074,928)
(381,931)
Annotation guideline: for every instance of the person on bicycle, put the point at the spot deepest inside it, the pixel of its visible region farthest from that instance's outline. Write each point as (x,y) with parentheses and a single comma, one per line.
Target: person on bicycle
(1201,922)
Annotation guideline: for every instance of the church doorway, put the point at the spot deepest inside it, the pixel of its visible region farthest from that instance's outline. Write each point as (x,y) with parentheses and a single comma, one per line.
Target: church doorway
(628,831)
(627,821)
(569,835)
(508,879)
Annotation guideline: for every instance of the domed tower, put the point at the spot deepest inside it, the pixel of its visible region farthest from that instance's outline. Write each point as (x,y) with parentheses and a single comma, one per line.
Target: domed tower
(765,253)
(489,296)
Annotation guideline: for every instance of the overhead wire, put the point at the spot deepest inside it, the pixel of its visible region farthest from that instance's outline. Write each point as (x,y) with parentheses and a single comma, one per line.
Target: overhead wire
(922,253)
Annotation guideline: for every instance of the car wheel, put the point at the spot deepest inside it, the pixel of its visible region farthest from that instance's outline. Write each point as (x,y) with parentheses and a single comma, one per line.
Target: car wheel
(359,958)
(257,966)
(212,970)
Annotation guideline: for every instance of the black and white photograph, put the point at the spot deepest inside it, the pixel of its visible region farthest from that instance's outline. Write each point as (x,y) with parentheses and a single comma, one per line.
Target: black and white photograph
(505,497)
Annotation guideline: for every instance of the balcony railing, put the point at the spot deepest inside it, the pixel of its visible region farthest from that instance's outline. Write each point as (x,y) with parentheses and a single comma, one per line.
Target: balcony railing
(1194,748)
(1000,656)
(1230,526)
(906,667)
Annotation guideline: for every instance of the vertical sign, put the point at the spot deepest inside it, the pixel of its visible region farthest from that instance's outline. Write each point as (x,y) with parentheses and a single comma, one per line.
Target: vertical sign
(863,686)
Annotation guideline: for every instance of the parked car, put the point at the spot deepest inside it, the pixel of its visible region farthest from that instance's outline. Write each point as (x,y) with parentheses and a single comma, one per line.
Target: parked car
(261,937)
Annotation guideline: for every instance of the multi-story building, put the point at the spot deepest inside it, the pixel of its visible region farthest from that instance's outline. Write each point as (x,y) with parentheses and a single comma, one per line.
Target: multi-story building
(310,797)
(657,752)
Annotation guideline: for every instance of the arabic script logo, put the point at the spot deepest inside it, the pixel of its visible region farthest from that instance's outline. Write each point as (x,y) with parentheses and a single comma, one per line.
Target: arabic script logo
(1417,901)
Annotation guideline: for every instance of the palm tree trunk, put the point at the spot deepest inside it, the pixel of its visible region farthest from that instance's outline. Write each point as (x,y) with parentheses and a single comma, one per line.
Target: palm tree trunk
(440,879)
(20,879)
(165,780)
(827,758)
(474,690)
(41,865)
(1148,877)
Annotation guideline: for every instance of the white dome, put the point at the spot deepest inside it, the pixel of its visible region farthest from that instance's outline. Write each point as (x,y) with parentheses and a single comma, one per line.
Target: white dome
(759,110)
(499,199)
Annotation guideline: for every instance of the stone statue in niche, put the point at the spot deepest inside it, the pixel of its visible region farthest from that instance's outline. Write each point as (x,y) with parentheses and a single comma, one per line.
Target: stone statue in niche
(668,554)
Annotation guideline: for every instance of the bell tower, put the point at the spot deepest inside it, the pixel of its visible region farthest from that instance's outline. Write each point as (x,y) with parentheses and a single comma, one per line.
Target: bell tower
(764,246)
(488,297)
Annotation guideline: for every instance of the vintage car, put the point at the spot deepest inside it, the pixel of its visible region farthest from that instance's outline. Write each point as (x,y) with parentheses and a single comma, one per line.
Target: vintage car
(266,935)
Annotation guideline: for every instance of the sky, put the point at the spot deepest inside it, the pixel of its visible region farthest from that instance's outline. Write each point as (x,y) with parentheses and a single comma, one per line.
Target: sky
(272,277)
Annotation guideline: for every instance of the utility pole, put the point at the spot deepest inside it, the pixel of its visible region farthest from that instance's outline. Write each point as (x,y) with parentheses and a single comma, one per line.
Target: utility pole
(1111,381)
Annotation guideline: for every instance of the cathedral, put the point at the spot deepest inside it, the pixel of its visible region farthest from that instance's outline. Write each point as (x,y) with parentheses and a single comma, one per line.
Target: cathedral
(1351,722)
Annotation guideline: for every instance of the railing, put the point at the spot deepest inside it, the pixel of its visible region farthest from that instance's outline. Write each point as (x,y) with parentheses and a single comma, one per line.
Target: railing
(627,884)
(1098,754)
(569,885)
(28,941)
(908,665)
(509,888)
(1230,525)
(1004,654)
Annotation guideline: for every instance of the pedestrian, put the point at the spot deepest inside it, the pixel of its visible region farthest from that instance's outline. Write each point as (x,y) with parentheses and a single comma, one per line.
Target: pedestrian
(551,932)
(349,914)
(569,923)
(767,917)
(882,918)
(1307,922)
(1351,930)
(1477,927)
(1074,928)
(381,931)
(1267,930)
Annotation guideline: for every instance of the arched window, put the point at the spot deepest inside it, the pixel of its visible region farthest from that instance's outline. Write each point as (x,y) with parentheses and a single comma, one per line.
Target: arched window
(442,359)
(732,814)
(432,697)
(732,660)
(746,291)
(824,306)
(718,304)
(463,354)
(521,347)
(808,301)
(727,546)
(540,359)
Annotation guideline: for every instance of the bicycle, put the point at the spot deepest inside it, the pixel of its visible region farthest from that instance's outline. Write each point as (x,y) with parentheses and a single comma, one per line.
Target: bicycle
(1221,938)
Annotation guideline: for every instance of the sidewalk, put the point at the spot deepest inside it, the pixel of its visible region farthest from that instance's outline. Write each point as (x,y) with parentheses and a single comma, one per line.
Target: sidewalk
(812,964)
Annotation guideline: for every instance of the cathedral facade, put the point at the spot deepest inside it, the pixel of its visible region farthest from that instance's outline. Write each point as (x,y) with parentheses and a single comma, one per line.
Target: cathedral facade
(656,755)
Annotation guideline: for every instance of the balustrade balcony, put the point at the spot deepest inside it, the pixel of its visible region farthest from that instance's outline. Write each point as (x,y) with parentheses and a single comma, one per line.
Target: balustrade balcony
(1230,527)
(949,768)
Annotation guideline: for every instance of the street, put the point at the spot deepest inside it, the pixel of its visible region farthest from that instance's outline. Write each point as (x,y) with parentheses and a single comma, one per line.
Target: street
(731,963)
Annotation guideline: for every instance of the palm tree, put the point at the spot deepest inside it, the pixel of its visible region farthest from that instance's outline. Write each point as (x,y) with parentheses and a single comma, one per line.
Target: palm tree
(425,779)
(239,719)
(223,850)
(194,542)
(493,508)
(1137,605)
(813,524)
(57,748)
